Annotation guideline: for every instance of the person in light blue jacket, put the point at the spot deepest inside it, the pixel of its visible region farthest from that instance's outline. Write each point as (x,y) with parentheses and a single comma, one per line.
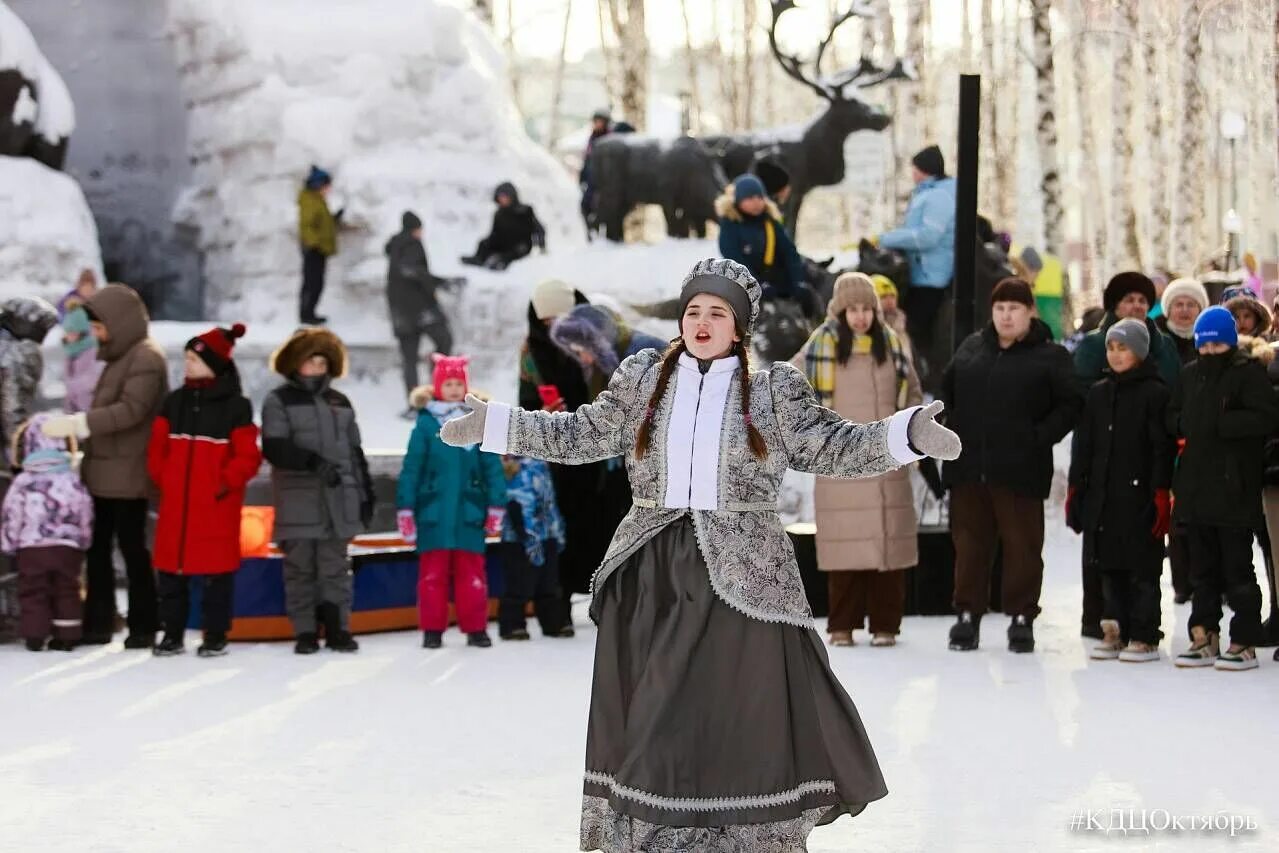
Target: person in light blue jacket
(927,238)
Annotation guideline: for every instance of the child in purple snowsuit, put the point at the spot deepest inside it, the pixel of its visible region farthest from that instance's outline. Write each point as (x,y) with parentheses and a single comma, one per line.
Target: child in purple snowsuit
(83,367)
(48,522)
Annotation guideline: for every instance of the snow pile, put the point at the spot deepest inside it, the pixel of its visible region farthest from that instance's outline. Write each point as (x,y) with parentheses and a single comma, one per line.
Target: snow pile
(47,234)
(403,101)
(41,117)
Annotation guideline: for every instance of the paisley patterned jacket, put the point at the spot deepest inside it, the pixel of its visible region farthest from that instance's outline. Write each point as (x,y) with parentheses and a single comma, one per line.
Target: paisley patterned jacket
(751,562)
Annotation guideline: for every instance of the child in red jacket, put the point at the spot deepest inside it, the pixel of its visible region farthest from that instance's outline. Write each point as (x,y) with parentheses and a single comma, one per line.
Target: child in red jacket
(203,452)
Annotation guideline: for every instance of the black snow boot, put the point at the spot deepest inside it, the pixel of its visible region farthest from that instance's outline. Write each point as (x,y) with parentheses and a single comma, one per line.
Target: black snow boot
(480,640)
(140,641)
(965,634)
(307,644)
(336,638)
(91,638)
(34,645)
(1021,635)
(432,639)
(214,646)
(566,633)
(169,646)
(517,634)
(56,645)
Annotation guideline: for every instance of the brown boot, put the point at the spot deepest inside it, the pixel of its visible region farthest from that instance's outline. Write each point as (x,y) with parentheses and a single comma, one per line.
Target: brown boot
(841,638)
(1203,649)
(1110,645)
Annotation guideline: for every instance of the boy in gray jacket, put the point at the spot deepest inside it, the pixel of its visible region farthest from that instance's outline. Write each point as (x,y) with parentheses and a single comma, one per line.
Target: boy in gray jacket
(322,490)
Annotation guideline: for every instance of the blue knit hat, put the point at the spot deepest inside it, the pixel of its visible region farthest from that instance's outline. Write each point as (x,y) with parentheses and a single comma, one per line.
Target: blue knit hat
(1216,326)
(317,178)
(748,186)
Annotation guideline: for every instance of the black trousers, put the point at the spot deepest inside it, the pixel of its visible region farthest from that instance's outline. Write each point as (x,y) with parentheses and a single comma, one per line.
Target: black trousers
(525,582)
(122,521)
(924,307)
(1221,562)
(313,266)
(410,341)
(175,602)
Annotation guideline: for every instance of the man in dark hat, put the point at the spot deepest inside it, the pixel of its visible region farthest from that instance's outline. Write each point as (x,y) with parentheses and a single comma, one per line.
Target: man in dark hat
(927,238)
(1129,295)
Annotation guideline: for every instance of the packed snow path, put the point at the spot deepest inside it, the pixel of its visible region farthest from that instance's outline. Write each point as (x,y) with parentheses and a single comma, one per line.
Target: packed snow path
(397,748)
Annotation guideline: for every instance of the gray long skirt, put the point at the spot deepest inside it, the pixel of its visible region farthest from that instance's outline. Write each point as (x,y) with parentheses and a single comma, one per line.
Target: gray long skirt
(710,730)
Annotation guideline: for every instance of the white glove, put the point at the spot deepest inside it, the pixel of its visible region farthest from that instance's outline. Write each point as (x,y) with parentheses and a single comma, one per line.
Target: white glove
(65,426)
(468,429)
(931,438)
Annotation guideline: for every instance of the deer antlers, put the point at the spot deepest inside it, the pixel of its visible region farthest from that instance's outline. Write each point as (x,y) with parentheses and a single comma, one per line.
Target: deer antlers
(832,88)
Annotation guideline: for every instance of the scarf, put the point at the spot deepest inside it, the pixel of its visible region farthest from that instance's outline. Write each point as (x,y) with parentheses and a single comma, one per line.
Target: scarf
(445,412)
(820,361)
(1186,334)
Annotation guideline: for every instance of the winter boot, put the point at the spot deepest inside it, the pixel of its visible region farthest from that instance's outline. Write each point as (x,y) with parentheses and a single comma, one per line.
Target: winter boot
(883,639)
(565,633)
(336,638)
(139,641)
(34,645)
(214,646)
(841,638)
(965,634)
(1111,645)
(1138,652)
(1202,652)
(307,644)
(1092,631)
(432,639)
(171,645)
(1237,658)
(1021,635)
(56,645)
(480,640)
(95,639)
(517,634)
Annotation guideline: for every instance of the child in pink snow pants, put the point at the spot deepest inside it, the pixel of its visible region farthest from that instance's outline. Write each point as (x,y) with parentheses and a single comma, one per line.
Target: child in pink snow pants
(449,499)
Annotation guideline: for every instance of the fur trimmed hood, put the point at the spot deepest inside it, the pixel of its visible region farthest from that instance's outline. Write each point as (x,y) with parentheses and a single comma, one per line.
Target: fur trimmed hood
(305,343)
(726,206)
(1257,349)
(1254,307)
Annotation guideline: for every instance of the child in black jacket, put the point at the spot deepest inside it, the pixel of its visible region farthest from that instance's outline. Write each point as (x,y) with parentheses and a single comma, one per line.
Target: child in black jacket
(1120,473)
(1225,408)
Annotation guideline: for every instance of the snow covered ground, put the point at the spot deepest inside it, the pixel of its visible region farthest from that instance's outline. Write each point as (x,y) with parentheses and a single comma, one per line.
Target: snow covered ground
(400,749)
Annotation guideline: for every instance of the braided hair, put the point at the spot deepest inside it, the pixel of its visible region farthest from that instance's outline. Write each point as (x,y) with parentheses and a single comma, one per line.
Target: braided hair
(670,359)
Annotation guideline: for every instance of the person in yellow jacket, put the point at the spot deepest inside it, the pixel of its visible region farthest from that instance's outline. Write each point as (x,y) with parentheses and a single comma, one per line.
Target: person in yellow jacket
(1046,275)
(318,235)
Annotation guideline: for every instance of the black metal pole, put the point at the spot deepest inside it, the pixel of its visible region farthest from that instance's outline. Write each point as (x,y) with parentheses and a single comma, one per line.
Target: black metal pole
(970,307)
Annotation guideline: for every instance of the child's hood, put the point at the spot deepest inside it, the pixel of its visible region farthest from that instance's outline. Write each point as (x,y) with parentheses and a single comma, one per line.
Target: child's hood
(1255,349)
(33,437)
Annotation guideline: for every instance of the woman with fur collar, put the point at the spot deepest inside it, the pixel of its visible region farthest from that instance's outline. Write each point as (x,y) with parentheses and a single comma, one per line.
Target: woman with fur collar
(699,601)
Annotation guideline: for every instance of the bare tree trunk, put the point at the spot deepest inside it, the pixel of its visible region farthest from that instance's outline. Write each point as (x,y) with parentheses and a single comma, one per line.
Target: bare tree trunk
(610,77)
(1123,179)
(1046,124)
(965,38)
(990,176)
(509,44)
(1092,199)
(917,101)
(1190,245)
(1010,126)
(484,11)
(694,90)
(885,209)
(726,70)
(632,40)
(749,19)
(1160,215)
(557,89)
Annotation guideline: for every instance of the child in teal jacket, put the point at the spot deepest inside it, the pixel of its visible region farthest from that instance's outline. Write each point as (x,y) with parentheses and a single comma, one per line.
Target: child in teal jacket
(449,499)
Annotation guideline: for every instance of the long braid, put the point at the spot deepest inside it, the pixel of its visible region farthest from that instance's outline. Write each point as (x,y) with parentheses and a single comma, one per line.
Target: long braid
(669,359)
(753,438)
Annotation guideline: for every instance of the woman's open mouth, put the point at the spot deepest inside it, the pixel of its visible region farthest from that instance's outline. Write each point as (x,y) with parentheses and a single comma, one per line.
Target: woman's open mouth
(702,337)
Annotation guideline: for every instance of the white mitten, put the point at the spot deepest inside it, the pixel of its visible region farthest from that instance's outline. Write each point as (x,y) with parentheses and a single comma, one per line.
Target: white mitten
(468,429)
(66,426)
(931,438)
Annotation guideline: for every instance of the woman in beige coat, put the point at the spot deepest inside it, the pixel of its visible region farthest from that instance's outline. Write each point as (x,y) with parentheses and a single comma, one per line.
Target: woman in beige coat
(866,529)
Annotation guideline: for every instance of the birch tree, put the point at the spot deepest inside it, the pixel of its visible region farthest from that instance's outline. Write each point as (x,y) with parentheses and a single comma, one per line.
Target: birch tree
(989,113)
(1188,246)
(917,101)
(1046,124)
(557,86)
(1160,223)
(1010,124)
(694,90)
(627,18)
(1123,183)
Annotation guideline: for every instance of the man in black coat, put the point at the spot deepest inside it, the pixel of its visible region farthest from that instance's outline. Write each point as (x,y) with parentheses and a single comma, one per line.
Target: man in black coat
(515,233)
(411,297)
(1225,409)
(1119,498)
(1010,394)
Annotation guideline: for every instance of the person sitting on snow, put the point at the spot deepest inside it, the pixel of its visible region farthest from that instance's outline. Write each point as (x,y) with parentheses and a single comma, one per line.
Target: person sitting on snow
(515,233)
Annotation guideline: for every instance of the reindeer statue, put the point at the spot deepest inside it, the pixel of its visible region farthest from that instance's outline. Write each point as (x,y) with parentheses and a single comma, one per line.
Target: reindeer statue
(813,154)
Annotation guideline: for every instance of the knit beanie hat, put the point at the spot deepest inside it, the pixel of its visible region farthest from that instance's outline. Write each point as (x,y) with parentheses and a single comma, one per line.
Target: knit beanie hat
(773,175)
(1184,287)
(1133,334)
(747,186)
(448,367)
(930,162)
(410,221)
(214,347)
(1216,325)
(728,280)
(552,298)
(884,285)
(1125,283)
(852,288)
(1013,289)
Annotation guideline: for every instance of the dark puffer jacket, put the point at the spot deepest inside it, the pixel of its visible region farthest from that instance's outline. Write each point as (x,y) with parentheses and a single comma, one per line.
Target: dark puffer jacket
(1226,409)
(1009,407)
(1122,451)
(516,229)
(775,263)
(410,285)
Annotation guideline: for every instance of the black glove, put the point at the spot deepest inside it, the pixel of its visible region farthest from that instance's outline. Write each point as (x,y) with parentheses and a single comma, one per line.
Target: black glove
(328,473)
(928,470)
